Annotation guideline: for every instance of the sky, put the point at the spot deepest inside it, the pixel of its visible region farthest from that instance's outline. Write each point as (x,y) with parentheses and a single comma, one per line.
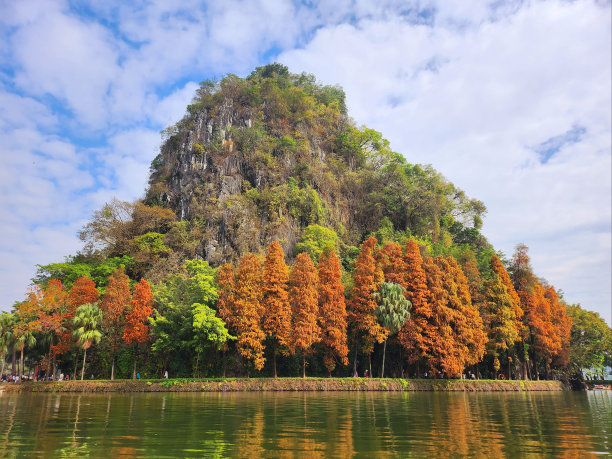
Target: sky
(510,100)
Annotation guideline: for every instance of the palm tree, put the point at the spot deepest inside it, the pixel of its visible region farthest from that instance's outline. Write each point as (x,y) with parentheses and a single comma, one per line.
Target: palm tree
(393,311)
(25,339)
(88,319)
(7,339)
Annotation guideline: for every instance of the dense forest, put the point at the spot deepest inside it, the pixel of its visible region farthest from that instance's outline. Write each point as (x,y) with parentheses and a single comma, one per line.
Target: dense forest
(277,237)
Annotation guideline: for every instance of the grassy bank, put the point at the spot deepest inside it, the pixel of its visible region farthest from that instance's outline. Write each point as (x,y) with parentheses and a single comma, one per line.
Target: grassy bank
(283,384)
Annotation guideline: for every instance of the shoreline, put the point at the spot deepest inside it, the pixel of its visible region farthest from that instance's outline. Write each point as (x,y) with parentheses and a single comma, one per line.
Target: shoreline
(283,385)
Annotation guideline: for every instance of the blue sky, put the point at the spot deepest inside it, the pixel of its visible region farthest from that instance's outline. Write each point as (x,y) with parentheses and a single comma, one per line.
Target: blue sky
(509,100)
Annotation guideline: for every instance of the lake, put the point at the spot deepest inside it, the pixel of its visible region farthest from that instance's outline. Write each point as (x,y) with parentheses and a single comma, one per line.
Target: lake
(306,424)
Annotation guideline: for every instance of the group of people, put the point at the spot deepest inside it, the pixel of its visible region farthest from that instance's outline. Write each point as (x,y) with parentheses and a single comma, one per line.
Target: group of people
(365,374)
(13,378)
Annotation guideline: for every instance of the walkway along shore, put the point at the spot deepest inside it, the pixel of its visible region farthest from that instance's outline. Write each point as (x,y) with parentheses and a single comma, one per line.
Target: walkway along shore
(283,384)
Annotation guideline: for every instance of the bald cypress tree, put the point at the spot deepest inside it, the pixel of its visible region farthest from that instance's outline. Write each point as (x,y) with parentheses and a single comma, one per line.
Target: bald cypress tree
(415,335)
(332,311)
(362,305)
(277,311)
(248,310)
(304,282)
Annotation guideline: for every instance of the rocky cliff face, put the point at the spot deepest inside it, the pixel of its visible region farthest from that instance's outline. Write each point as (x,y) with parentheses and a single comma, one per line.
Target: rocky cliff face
(217,164)
(262,158)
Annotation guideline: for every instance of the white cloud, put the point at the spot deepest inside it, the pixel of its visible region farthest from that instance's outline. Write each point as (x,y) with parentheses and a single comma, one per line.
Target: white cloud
(472,96)
(471,88)
(69,59)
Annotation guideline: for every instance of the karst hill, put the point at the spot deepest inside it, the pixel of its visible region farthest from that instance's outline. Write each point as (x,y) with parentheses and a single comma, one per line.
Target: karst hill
(275,156)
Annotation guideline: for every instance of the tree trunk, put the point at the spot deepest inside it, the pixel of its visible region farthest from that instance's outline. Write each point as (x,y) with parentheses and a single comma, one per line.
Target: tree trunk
(195,372)
(83,367)
(49,361)
(113,368)
(382,371)
(21,366)
(355,359)
(14,359)
(274,360)
(134,371)
(76,358)
(3,364)
(224,363)
(303,365)
(370,364)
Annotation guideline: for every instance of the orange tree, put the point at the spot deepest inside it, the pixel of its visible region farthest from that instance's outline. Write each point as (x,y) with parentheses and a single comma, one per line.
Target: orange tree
(248,310)
(136,328)
(83,291)
(415,335)
(54,315)
(332,311)
(304,282)
(392,262)
(114,306)
(27,323)
(562,324)
(277,313)
(362,305)
(467,326)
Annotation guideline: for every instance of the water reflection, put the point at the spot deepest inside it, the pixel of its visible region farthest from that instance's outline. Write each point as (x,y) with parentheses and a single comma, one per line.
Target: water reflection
(307,424)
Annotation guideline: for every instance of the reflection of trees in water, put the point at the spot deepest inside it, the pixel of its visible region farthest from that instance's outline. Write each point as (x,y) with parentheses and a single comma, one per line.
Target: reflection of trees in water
(248,438)
(308,424)
(7,421)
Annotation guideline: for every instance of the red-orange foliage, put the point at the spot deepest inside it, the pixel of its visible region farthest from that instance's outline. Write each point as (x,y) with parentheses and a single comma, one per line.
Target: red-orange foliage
(55,316)
(28,314)
(83,291)
(562,324)
(392,262)
(137,328)
(116,297)
(436,343)
(277,313)
(362,306)
(548,325)
(467,324)
(539,320)
(53,307)
(114,306)
(248,310)
(332,311)
(303,293)
(414,336)
(225,299)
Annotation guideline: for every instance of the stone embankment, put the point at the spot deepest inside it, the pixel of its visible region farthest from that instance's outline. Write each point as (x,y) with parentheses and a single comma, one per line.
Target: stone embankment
(283,384)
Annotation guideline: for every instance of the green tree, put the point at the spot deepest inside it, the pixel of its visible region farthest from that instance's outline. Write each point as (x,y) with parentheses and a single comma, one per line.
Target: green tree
(7,339)
(208,329)
(88,320)
(393,311)
(591,340)
(172,324)
(315,239)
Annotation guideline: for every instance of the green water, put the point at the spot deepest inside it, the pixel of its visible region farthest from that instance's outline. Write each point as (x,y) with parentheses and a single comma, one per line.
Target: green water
(306,424)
